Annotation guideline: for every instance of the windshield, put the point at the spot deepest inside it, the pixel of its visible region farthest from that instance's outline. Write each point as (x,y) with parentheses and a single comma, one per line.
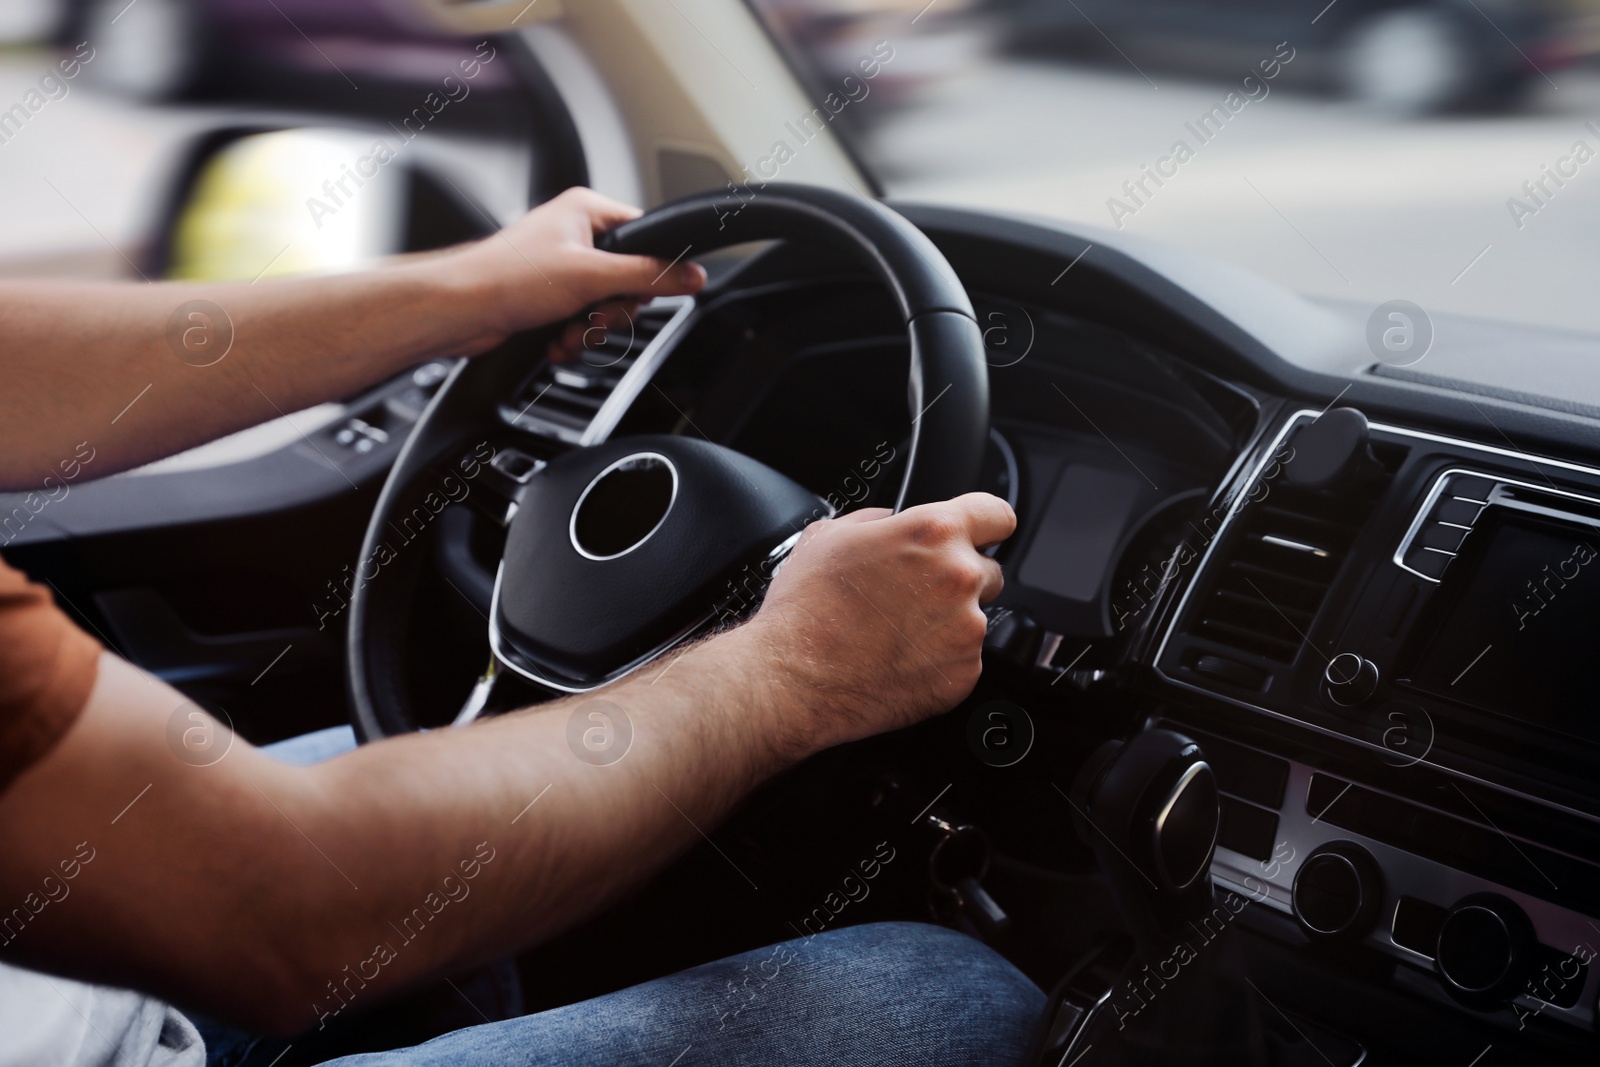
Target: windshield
(1362,151)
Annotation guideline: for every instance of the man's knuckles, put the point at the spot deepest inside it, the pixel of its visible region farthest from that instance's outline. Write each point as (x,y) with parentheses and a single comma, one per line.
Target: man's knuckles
(934,525)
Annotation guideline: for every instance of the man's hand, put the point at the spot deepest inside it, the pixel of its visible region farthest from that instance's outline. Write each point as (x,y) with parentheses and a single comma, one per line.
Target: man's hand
(877,616)
(544,267)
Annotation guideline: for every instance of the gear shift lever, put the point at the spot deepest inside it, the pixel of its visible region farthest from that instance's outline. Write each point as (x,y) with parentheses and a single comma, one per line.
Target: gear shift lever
(1150,810)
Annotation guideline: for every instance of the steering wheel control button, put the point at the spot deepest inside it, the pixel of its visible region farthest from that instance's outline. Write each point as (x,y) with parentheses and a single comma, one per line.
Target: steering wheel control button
(1011,635)
(1349,679)
(624,505)
(1485,947)
(518,466)
(1338,892)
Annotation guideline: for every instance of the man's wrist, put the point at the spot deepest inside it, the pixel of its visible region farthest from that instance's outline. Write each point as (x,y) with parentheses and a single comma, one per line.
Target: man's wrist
(465,299)
(796,710)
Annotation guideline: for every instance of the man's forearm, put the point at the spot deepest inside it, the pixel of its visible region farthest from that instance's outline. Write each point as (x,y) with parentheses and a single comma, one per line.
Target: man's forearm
(310,890)
(140,372)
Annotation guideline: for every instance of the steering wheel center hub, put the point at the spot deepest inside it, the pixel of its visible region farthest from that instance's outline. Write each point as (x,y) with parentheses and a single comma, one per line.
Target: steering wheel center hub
(624,506)
(620,549)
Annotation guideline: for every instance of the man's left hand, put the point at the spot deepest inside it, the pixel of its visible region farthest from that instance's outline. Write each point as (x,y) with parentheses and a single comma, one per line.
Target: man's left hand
(544,267)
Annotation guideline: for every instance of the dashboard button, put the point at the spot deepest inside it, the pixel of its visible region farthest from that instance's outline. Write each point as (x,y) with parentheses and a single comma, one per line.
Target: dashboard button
(1471,487)
(1416,925)
(1349,679)
(1440,536)
(1485,947)
(1247,829)
(1338,892)
(1426,562)
(1460,512)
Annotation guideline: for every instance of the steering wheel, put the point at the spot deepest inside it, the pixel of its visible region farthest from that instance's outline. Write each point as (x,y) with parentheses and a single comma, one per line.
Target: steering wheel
(615,552)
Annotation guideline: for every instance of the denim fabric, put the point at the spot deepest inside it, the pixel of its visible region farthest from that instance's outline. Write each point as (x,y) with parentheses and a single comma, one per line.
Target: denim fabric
(313,747)
(882,994)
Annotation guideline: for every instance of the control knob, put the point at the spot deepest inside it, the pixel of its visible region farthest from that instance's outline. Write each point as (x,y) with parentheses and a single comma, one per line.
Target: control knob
(1485,950)
(1350,678)
(1338,892)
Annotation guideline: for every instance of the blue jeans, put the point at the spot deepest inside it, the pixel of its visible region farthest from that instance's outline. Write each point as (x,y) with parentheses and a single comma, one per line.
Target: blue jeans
(881,994)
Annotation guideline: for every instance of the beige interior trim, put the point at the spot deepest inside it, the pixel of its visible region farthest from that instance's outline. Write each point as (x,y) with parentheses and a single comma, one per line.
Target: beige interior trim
(487,16)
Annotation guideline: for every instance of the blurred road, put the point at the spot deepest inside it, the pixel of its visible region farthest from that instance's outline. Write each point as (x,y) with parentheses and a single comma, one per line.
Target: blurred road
(1310,192)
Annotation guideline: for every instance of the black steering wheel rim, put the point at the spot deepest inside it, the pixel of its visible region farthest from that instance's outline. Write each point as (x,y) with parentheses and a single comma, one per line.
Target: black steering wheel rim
(947,392)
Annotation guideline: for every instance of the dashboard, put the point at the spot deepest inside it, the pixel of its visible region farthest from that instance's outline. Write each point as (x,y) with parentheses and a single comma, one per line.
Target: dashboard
(1373,599)
(1377,623)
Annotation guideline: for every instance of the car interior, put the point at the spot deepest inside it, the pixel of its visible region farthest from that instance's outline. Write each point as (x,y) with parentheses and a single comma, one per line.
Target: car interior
(1293,654)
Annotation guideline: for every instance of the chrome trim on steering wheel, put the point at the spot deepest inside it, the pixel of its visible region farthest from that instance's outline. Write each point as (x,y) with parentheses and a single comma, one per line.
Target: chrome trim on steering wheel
(572,520)
(506,653)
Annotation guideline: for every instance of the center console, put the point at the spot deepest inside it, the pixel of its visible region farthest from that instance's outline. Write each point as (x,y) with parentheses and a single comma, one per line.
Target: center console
(1386,643)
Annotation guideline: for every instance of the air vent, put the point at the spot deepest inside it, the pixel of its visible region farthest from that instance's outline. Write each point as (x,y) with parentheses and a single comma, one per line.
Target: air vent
(561,400)
(1255,614)
(1285,551)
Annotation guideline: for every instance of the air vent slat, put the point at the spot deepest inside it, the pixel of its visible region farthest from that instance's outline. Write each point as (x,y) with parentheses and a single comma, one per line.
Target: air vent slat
(1251,640)
(1300,616)
(1295,584)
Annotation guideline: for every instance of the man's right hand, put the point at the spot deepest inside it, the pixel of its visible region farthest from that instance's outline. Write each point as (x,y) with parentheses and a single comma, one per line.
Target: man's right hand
(877,617)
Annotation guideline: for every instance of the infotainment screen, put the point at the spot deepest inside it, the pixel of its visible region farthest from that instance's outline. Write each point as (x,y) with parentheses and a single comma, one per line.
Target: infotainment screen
(1516,625)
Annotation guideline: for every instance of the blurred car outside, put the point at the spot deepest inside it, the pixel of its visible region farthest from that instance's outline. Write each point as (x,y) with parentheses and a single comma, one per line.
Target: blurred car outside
(156,50)
(828,39)
(1406,57)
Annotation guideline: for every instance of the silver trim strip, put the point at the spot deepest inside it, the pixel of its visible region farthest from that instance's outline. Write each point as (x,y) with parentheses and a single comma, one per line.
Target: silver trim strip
(572,520)
(1428,501)
(636,377)
(1271,883)
(1494,501)
(506,654)
(1290,424)
(1284,542)
(1161,823)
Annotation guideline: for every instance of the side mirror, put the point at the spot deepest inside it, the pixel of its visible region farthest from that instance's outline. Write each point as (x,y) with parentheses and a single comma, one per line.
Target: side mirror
(260,203)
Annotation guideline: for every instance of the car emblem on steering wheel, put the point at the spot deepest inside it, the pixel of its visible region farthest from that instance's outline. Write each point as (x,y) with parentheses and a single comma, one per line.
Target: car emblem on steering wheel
(623,506)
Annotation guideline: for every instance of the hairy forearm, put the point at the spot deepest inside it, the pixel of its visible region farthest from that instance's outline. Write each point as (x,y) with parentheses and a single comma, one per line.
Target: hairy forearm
(282,895)
(139,372)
